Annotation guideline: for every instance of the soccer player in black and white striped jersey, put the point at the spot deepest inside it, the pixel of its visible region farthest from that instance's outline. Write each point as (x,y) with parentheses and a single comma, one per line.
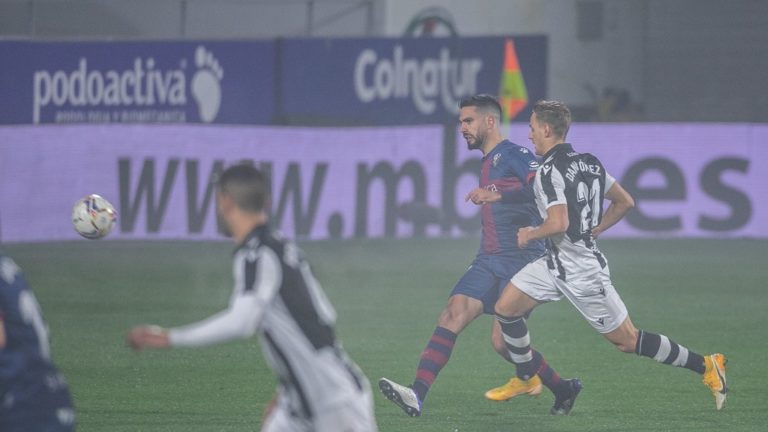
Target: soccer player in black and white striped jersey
(276,295)
(570,188)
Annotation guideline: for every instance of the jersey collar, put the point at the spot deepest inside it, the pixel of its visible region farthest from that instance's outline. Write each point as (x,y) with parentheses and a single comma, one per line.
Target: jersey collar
(256,234)
(566,147)
(495,149)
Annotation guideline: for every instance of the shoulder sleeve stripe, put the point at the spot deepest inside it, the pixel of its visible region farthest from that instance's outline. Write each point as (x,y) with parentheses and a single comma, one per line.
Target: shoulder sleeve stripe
(546,183)
(257,271)
(270,274)
(250,273)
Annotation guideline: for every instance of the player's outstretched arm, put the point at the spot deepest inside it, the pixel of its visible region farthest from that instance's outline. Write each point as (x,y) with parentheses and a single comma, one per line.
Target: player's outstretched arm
(236,322)
(621,203)
(239,321)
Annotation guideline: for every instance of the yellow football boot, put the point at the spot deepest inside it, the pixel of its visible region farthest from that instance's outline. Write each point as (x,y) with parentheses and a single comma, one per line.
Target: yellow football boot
(515,387)
(714,378)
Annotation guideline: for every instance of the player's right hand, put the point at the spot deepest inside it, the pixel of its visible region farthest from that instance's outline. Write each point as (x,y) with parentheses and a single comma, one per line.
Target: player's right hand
(482,196)
(147,337)
(522,236)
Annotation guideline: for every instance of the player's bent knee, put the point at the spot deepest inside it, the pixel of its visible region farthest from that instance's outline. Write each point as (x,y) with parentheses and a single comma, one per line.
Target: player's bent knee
(504,308)
(500,310)
(514,303)
(508,310)
(454,321)
(624,337)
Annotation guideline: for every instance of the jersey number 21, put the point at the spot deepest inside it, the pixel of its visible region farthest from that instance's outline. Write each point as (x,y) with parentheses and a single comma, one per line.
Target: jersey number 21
(589,201)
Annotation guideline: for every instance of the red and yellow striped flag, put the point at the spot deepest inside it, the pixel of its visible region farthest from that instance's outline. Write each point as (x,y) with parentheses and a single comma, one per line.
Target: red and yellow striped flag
(513,96)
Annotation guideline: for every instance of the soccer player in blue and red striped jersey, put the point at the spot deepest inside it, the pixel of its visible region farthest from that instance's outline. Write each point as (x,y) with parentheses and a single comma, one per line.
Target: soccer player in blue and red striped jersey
(507,204)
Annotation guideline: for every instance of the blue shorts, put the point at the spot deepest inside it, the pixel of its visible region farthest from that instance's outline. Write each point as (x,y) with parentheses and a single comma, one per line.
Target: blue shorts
(41,403)
(487,276)
(60,420)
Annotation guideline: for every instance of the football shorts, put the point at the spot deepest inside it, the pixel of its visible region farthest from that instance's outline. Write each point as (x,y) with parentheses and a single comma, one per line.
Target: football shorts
(593,295)
(353,413)
(487,276)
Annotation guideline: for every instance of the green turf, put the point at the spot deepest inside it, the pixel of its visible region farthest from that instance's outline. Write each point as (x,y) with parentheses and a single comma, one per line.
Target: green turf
(709,295)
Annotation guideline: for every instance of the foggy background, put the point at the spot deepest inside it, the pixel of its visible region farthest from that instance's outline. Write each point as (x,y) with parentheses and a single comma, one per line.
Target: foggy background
(350,109)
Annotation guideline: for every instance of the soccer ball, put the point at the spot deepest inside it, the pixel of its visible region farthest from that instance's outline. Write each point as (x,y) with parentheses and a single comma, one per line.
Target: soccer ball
(93,217)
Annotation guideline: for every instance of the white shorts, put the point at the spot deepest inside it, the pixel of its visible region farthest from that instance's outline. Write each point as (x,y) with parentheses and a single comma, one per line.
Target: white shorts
(355,414)
(593,295)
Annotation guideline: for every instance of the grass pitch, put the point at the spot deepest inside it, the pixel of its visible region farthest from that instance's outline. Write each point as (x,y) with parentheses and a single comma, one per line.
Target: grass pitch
(709,295)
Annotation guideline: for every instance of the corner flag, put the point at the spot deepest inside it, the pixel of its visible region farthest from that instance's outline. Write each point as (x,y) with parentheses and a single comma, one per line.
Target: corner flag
(513,96)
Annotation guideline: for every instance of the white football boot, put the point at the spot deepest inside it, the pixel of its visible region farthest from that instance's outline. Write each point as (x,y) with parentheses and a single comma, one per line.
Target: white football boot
(402,396)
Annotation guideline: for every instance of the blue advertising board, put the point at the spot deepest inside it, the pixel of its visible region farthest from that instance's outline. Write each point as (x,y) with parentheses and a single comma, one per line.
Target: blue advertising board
(391,81)
(137,82)
(366,81)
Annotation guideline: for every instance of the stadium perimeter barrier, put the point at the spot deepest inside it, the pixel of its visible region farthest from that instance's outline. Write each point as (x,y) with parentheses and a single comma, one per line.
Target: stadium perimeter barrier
(333,82)
(689,180)
(113,118)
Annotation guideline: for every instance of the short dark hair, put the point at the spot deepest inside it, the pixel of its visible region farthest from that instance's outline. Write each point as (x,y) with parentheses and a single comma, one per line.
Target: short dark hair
(247,186)
(554,113)
(483,102)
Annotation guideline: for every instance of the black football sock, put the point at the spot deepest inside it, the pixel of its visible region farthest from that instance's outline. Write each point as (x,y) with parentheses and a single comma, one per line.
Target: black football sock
(664,350)
(518,343)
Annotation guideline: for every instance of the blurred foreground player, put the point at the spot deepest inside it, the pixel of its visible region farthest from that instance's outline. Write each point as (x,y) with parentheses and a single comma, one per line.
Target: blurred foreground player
(33,395)
(570,190)
(276,295)
(506,197)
